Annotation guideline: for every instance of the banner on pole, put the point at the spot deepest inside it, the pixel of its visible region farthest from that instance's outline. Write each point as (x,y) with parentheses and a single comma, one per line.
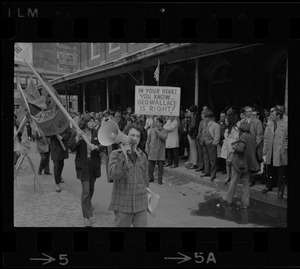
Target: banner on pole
(48,116)
(154,100)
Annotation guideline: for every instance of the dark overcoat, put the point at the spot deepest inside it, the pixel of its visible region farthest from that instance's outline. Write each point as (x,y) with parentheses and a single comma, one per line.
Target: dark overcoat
(247,154)
(87,168)
(57,152)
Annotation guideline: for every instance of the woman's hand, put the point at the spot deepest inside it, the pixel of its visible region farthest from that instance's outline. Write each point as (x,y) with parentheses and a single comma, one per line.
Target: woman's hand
(79,135)
(93,147)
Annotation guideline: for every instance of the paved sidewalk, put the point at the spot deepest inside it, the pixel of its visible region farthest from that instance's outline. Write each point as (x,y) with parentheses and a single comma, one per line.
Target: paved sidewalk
(47,208)
(255,191)
(52,209)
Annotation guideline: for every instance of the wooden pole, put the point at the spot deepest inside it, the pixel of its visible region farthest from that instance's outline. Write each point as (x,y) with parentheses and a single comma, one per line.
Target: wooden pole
(21,126)
(46,87)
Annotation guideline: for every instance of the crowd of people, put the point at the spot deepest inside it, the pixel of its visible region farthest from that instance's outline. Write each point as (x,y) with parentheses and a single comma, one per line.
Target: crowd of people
(238,145)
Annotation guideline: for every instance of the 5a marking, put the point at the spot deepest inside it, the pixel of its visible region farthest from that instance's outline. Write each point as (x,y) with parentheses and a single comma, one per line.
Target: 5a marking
(199,257)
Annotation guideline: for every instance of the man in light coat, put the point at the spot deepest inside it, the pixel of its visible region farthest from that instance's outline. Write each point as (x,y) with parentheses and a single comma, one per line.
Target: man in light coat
(172,142)
(211,138)
(156,149)
(275,150)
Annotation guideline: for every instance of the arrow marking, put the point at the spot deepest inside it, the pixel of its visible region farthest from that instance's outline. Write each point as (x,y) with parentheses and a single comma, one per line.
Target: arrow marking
(184,258)
(48,259)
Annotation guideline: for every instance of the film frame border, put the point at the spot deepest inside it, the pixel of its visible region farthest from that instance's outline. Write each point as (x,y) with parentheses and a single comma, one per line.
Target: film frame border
(231,246)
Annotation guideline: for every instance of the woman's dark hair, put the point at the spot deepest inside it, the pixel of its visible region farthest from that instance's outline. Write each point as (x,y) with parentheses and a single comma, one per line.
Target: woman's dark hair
(127,109)
(84,120)
(160,120)
(230,106)
(134,125)
(193,108)
(231,123)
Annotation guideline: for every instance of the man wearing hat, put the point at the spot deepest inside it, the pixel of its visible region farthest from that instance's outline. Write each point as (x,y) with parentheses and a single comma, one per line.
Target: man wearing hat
(275,150)
(211,138)
(243,164)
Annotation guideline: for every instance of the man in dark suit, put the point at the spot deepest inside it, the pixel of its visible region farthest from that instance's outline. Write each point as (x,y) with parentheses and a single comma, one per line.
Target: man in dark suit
(256,129)
(58,155)
(221,161)
(199,140)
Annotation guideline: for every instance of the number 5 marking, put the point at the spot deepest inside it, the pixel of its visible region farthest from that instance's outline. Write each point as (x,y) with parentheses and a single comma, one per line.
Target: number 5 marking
(63,257)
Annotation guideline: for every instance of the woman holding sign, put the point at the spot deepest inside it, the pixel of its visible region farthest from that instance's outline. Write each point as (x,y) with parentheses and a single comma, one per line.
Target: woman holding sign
(87,163)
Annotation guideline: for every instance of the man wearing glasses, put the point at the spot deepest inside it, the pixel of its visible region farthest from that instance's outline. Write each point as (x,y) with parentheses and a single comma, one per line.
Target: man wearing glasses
(275,150)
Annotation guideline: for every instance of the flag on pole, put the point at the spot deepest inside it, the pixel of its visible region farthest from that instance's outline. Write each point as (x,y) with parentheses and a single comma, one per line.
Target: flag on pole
(32,91)
(35,102)
(50,119)
(58,121)
(23,111)
(156,72)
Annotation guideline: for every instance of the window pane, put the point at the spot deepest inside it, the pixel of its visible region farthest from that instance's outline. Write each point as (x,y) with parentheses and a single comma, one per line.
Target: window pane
(114,45)
(95,50)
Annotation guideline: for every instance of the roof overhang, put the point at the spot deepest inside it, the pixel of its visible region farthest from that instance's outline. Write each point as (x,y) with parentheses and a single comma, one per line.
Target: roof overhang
(167,53)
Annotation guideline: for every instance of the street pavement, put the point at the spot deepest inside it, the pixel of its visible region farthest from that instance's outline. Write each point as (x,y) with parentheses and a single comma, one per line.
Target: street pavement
(196,199)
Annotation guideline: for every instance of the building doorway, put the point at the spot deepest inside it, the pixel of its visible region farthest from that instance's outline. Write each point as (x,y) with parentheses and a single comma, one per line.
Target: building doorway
(221,91)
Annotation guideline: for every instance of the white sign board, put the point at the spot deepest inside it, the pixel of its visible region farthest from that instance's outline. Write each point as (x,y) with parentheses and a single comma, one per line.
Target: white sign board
(155,100)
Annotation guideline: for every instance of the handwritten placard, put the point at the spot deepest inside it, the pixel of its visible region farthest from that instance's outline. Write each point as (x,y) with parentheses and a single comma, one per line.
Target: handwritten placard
(155,100)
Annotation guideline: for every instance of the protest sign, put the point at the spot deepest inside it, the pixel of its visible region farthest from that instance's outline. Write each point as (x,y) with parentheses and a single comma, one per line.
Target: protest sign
(154,100)
(51,122)
(54,105)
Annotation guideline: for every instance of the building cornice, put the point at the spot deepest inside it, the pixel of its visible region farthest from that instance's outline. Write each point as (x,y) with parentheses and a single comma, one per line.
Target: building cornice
(154,50)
